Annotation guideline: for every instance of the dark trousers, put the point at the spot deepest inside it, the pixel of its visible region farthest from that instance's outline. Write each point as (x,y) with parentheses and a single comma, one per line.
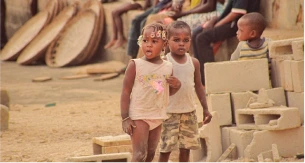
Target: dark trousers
(135,31)
(202,39)
(3,38)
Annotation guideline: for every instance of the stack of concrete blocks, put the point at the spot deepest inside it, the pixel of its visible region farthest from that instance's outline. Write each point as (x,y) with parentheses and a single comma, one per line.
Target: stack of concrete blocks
(108,149)
(230,86)
(4,106)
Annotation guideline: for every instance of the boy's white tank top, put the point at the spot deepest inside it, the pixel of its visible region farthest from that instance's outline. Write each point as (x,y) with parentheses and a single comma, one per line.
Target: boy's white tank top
(184,100)
(150,92)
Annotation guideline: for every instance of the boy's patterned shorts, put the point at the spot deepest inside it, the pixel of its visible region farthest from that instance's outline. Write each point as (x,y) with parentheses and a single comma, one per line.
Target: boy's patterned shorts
(180,129)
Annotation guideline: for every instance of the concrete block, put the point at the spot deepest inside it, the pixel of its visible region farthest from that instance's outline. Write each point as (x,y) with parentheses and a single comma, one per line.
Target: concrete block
(242,138)
(287,75)
(275,153)
(295,99)
(4,117)
(227,152)
(222,105)
(113,157)
(98,143)
(298,50)
(289,142)
(277,73)
(231,76)
(239,100)
(117,149)
(264,156)
(4,97)
(281,47)
(276,118)
(210,137)
(297,73)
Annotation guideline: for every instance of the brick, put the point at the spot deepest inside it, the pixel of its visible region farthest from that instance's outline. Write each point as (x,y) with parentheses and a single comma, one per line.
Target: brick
(281,47)
(112,140)
(297,73)
(275,118)
(289,142)
(275,153)
(222,104)
(117,149)
(298,50)
(242,138)
(4,117)
(287,75)
(210,142)
(227,152)
(4,97)
(113,157)
(239,100)
(231,76)
(295,99)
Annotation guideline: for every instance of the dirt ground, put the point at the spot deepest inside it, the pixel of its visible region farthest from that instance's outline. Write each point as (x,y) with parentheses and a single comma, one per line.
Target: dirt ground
(83,109)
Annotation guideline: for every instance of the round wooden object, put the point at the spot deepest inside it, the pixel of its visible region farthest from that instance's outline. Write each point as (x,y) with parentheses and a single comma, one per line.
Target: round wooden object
(23,36)
(73,40)
(38,45)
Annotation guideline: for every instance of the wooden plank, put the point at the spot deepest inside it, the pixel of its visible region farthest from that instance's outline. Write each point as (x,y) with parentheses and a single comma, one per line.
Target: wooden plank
(126,156)
(227,152)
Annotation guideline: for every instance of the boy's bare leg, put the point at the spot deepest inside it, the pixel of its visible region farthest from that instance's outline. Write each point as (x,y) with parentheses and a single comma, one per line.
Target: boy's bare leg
(184,155)
(139,141)
(164,157)
(153,141)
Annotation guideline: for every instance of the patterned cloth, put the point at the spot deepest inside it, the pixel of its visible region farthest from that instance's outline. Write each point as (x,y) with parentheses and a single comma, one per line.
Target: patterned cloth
(180,130)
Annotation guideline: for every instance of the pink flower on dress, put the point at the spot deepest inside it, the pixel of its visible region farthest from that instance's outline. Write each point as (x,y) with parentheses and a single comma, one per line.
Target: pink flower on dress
(157,85)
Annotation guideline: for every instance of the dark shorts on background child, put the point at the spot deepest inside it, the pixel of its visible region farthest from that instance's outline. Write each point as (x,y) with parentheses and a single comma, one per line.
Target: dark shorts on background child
(187,138)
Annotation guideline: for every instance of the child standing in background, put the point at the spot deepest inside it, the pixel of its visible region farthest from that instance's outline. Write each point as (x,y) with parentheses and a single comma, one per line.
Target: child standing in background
(251,46)
(182,127)
(147,85)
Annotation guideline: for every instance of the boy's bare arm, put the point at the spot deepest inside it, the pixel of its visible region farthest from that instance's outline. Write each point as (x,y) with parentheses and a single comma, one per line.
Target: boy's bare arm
(174,85)
(201,92)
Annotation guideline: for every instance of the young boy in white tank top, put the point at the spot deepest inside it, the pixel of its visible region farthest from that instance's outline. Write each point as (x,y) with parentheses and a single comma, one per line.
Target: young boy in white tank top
(181,128)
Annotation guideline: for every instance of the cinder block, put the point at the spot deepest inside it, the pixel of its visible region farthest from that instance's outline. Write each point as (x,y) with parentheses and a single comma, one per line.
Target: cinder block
(99,143)
(289,142)
(242,138)
(287,75)
(227,152)
(117,149)
(295,99)
(4,113)
(277,73)
(4,97)
(298,50)
(297,73)
(231,76)
(222,105)
(113,157)
(281,47)
(210,137)
(264,155)
(275,153)
(239,100)
(276,118)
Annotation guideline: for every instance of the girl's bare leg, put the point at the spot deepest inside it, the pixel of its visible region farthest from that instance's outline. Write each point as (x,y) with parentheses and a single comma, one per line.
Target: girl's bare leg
(153,141)
(139,141)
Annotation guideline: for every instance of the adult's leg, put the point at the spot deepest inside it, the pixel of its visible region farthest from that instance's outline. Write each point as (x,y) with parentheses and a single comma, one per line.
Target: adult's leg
(139,141)
(117,27)
(153,141)
(204,50)
(134,33)
(184,155)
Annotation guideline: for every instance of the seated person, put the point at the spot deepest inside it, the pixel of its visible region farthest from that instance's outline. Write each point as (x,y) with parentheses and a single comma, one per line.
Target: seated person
(251,46)
(118,38)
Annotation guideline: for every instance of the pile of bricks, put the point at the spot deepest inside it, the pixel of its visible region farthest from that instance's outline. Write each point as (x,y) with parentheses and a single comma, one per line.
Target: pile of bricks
(265,133)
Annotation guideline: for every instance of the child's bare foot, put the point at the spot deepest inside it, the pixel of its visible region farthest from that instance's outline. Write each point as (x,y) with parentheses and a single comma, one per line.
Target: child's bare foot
(119,43)
(110,44)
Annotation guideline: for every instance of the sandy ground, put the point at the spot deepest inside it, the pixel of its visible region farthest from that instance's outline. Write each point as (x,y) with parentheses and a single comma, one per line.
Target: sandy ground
(83,109)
